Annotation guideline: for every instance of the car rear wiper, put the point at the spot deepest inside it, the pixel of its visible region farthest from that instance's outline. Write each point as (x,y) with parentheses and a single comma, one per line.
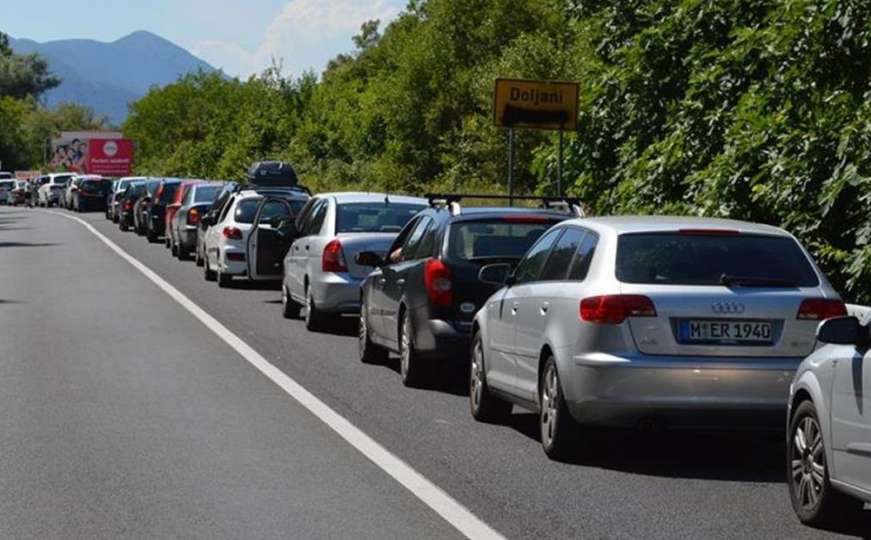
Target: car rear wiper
(751,281)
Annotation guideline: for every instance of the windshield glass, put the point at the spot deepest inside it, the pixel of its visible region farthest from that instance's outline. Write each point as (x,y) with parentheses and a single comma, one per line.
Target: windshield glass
(374,216)
(7,185)
(206,193)
(495,238)
(682,259)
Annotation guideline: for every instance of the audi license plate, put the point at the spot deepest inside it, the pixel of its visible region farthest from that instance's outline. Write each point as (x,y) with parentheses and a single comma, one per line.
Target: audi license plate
(725,332)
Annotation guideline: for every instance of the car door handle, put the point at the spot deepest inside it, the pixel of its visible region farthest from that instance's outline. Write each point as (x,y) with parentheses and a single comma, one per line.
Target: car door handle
(400,281)
(544,307)
(306,248)
(382,281)
(514,308)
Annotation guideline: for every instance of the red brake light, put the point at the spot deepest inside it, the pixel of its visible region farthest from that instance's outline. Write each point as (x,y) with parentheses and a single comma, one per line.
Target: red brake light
(439,287)
(232,233)
(128,205)
(193,216)
(333,259)
(708,232)
(819,309)
(616,308)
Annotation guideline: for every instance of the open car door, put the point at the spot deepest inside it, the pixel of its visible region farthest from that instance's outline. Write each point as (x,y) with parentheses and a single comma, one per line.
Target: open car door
(271,236)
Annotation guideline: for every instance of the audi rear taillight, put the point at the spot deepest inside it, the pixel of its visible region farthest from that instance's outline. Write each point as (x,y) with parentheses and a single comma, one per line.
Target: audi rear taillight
(820,309)
(437,278)
(232,233)
(333,259)
(193,216)
(616,308)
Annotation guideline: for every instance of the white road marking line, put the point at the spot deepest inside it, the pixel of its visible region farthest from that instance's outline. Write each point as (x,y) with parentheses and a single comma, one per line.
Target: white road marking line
(433,496)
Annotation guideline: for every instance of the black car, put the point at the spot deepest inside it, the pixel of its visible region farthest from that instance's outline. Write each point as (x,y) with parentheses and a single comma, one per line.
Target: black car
(140,207)
(91,194)
(127,203)
(155,212)
(421,301)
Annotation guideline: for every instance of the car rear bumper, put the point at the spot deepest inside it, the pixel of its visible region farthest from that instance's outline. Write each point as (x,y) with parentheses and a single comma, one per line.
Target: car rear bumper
(440,339)
(604,389)
(336,292)
(187,237)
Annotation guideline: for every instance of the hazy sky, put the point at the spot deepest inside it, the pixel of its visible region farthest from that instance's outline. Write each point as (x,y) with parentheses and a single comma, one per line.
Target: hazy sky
(240,36)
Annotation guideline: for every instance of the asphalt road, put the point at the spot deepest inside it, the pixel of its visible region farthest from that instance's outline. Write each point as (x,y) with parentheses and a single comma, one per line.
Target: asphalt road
(125,416)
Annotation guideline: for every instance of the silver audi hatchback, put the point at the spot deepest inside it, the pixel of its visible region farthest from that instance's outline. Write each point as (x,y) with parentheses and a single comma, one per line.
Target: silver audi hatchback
(626,321)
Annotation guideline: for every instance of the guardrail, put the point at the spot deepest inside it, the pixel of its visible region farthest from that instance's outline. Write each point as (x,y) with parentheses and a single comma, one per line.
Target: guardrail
(863,313)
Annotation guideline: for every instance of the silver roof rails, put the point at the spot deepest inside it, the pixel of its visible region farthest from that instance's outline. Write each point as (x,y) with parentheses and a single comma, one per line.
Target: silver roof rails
(451,201)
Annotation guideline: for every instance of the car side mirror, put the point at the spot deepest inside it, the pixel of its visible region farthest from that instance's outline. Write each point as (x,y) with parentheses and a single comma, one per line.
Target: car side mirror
(369,258)
(495,274)
(842,331)
(207,220)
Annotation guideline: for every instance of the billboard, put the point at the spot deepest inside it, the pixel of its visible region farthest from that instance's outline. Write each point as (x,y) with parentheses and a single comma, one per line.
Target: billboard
(92,152)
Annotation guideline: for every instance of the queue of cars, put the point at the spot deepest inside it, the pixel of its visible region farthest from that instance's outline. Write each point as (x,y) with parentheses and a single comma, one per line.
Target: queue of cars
(587,321)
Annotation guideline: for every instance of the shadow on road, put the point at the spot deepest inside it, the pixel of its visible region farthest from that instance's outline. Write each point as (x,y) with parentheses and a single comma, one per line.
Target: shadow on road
(27,244)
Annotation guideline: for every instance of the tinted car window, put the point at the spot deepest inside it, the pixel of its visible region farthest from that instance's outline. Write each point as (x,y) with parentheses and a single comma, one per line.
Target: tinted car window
(245,210)
(695,259)
(557,265)
(374,216)
(409,250)
(316,219)
(581,263)
(494,238)
(274,209)
(532,264)
(206,193)
(168,193)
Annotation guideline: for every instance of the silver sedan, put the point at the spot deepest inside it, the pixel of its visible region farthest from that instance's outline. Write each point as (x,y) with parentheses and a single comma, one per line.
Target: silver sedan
(648,321)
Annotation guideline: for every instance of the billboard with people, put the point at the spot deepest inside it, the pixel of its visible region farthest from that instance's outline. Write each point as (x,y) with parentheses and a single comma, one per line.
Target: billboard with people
(92,152)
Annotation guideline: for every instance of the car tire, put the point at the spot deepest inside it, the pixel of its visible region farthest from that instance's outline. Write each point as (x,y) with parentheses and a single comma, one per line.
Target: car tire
(315,319)
(173,249)
(369,352)
(289,308)
(560,434)
(411,367)
(122,226)
(198,259)
(224,280)
(182,254)
(208,273)
(815,501)
(484,406)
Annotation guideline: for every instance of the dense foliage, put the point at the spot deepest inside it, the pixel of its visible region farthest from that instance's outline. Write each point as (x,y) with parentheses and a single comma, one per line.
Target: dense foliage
(26,126)
(754,109)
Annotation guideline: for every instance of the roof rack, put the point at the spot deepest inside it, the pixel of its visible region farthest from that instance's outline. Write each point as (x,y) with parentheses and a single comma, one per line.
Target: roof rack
(569,205)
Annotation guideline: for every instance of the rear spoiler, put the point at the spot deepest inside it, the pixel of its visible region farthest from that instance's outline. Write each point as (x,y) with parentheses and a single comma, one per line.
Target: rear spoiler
(569,205)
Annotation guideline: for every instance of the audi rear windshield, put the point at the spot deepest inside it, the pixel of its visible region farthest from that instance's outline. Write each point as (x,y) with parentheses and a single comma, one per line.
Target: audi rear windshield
(715,259)
(496,238)
(374,216)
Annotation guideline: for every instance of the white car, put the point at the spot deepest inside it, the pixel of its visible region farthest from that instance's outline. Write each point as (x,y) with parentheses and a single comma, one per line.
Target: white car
(226,245)
(829,426)
(5,187)
(51,192)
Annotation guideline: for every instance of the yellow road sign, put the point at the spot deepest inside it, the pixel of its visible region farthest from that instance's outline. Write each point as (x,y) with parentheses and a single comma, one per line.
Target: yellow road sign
(535,104)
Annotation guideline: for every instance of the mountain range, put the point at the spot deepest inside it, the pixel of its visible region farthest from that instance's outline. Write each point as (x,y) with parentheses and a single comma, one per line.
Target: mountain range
(108,76)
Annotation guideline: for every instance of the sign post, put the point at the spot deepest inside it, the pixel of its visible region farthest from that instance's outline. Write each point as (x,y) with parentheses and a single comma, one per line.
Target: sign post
(527,104)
